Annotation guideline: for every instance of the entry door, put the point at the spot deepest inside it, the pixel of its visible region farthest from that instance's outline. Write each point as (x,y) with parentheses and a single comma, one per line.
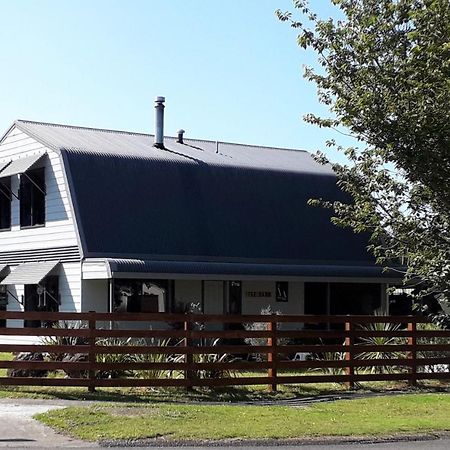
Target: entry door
(234,297)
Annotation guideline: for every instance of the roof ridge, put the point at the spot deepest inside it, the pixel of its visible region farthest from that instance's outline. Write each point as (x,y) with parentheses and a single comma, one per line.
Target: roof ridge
(109,130)
(77,127)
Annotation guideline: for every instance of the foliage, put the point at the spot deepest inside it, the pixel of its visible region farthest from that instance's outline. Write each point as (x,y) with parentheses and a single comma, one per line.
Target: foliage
(392,328)
(434,353)
(154,358)
(107,358)
(375,416)
(384,74)
(64,340)
(261,326)
(207,358)
(329,356)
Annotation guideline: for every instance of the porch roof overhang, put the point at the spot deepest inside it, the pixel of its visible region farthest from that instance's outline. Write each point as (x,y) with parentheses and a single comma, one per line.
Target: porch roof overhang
(129,268)
(30,273)
(20,165)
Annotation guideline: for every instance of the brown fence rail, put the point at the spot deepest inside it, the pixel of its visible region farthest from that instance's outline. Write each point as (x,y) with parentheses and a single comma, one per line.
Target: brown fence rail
(163,349)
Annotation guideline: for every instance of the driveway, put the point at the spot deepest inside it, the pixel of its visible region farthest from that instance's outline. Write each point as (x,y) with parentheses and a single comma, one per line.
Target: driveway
(19,430)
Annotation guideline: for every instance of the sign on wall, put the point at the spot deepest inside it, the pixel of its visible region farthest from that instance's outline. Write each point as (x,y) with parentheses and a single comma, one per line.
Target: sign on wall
(258,294)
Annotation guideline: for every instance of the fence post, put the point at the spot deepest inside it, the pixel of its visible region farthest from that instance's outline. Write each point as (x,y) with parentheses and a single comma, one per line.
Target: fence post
(189,357)
(92,356)
(412,354)
(349,342)
(272,356)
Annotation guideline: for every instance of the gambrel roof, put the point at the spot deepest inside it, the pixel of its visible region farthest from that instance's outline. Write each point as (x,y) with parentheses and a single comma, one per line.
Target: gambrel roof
(202,202)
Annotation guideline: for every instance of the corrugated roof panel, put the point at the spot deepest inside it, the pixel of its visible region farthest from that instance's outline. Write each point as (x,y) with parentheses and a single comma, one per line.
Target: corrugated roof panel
(30,273)
(125,266)
(200,200)
(21,165)
(153,209)
(135,145)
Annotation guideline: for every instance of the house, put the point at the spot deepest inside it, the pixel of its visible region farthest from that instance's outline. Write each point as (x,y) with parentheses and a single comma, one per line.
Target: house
(107,220)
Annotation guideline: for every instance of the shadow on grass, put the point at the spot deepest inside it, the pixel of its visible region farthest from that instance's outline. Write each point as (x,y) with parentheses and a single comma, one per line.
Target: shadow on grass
(248,394)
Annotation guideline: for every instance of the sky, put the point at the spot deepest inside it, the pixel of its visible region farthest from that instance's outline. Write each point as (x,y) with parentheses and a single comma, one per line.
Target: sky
(230,71)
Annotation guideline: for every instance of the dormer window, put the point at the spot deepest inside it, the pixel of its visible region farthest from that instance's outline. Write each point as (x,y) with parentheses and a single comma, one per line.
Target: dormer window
(32,198)
(5,203)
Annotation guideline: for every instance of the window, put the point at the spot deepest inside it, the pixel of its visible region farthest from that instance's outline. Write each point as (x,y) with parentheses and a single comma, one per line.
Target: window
(5,203)
(148,296)
(282,291)
(41,297)
(3,302)
(32,198)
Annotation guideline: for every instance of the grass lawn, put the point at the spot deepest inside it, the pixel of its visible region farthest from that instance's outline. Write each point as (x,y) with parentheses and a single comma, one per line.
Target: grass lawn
(5,357)
(360,417)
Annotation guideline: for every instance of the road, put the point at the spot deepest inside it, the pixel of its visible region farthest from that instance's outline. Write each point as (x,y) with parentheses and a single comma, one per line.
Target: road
(438,444)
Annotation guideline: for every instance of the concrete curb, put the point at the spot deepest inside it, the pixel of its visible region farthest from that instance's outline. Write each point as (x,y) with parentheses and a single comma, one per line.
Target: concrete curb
(332,440)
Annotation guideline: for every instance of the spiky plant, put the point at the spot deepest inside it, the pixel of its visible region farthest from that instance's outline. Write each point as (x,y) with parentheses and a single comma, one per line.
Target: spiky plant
(381,340)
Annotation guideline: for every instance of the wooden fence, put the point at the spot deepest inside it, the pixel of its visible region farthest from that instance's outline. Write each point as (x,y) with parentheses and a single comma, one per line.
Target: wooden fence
(117,350)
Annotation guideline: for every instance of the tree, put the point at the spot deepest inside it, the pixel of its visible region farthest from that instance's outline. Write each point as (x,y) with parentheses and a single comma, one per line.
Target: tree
(384,73)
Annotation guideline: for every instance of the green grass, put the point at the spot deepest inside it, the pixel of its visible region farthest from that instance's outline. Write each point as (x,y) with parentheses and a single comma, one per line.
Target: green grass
(363,417)
(5,357)
(181,395)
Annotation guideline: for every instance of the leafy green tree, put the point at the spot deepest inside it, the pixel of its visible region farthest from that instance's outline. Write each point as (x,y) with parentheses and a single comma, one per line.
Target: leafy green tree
(384,73)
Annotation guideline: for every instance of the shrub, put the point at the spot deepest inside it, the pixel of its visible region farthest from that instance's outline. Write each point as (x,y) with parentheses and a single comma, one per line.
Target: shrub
(432,368)
(64,340)
(381,340)
(261,326)
(329,356)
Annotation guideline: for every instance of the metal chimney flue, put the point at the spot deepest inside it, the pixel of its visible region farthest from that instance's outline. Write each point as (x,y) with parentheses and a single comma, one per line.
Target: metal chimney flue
(159,122)
(180,134)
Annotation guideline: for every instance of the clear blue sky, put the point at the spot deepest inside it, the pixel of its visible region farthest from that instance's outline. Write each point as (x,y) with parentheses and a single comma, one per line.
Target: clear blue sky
(229,70)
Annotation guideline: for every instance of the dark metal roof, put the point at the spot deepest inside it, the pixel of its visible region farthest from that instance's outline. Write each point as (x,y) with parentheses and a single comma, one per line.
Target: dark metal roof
(201,202)
(140,146)
(119,267)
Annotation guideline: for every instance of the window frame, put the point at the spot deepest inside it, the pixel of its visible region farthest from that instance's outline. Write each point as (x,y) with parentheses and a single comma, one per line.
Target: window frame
(5,187)
(27,182)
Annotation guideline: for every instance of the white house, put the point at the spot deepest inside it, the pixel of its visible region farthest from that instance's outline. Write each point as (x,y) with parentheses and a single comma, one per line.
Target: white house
(108,220)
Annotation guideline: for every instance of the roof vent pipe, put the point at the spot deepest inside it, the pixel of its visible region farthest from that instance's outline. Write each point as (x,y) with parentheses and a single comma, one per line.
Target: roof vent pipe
(180,136)
(159,122)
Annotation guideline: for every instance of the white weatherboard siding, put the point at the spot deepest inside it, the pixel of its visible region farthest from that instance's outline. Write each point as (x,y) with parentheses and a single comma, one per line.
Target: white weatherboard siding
(69,291)
(95,295)
(188,291)
(253,304)
(59,230)
(70,287)
(95,270)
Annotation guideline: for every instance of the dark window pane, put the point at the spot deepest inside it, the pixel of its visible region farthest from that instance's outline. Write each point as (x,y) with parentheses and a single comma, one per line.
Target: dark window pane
(3,303)
(316,298)
(5,203)
(44,297)
(355,298)
(32,198)
(282,291)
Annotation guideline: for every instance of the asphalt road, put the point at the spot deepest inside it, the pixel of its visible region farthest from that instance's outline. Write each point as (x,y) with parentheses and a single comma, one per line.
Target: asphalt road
(437,444)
